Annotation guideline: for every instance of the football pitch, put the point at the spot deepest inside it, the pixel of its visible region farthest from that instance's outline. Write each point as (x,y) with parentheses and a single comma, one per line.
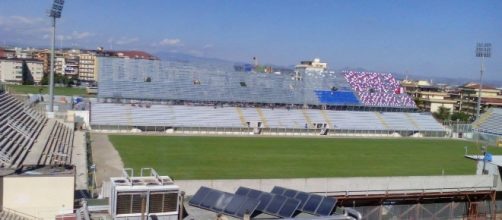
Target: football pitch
(184,157)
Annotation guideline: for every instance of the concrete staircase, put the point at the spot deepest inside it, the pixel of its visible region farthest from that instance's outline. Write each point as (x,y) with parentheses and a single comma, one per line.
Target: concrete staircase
(37,149)
(326,118)
(483,118)
(380,118)
(9,214)
(262,117)
(412,120)
(307,117)
(241,116)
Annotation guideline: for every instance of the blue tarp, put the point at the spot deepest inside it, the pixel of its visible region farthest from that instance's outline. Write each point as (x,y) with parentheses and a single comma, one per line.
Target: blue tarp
(337,97)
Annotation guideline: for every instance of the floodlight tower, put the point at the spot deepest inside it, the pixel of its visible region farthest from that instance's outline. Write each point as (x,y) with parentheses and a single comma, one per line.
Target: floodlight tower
(54,13)
(482,50)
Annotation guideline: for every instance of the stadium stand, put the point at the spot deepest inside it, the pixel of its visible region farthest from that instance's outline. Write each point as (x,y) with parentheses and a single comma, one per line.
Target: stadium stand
(378,89)
(110,115)
(160,95)
(337,97)
(23,132)
(169,80)
(490,122)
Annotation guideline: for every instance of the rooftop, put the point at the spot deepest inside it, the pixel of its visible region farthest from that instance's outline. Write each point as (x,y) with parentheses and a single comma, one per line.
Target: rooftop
(473,85)
(39,171)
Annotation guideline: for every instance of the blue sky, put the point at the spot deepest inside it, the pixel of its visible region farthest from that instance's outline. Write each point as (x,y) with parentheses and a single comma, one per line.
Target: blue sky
(420,37)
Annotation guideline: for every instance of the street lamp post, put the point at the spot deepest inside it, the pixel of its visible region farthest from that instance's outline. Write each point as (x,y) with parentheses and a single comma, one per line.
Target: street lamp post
(54,13)
(482,50)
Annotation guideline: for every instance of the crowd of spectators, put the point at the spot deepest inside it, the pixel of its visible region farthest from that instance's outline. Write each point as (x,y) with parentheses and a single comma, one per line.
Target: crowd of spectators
(378,89)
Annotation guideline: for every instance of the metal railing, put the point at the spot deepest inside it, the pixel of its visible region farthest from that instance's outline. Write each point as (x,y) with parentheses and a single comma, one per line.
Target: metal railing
(20,214)
(268,131)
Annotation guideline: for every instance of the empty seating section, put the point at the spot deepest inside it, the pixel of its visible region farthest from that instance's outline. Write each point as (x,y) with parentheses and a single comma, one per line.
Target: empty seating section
(425,121)
(170,80)
(283,118)
(58,148)
(20,131)
(107,115)
(347,120)
(163,115)
(337,97)
(378,89)
(490,122)
(395,120)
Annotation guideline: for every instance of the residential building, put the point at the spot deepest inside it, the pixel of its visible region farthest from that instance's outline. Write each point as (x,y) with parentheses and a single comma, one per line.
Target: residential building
(87,68)
(59,64)
(311,66)
(45,57)
(11,70)
(71,63)
(24,53)
(467,98)
(429,97)
(7,53)
(134,54)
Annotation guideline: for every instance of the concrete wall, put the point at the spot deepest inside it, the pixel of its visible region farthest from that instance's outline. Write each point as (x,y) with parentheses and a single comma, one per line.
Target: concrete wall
(435,107)
(353,185)
(40,196)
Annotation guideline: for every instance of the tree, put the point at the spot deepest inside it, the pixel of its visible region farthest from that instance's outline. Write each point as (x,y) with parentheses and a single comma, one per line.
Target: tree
(45,79)
(27,77)
(442,114)
(460,116)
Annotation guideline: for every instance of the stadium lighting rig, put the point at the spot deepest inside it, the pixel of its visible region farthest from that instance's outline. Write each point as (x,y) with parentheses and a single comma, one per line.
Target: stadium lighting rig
(54,13)
(482,50)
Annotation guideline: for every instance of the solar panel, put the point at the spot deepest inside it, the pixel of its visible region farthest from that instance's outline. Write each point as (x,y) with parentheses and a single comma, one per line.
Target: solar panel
(312,203)
(254,193)
(223,202)
(289,208)
(264,199)
(275,205)
(303,197)
(210,199)
(290,193)
(233,207)
(272,204)
(199,196)
(249,206)
(278,190)
(326,207)
(243,191)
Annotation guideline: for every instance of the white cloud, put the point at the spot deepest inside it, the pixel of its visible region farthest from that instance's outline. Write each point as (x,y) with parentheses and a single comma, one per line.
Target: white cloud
(123,40)
(196,53)
(22,25)
(21,21)
(75,35)
(207,46)
(170,42)
(81,35)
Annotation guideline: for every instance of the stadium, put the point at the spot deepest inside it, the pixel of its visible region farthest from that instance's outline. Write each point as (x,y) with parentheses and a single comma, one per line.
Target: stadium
(175,97)
(298,130)
(245,144)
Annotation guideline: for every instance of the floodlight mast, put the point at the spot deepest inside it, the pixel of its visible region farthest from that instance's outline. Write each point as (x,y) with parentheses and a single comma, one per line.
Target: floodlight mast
(482,50)
(55,12)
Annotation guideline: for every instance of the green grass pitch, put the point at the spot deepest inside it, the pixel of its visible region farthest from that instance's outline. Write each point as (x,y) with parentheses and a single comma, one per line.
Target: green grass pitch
(185,157)
(28,89)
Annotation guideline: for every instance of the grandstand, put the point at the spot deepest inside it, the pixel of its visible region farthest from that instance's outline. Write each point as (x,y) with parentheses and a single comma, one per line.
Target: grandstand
(488,126)
(27,137)
(156,96)
(175,81)
(129,116)
(378,89)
